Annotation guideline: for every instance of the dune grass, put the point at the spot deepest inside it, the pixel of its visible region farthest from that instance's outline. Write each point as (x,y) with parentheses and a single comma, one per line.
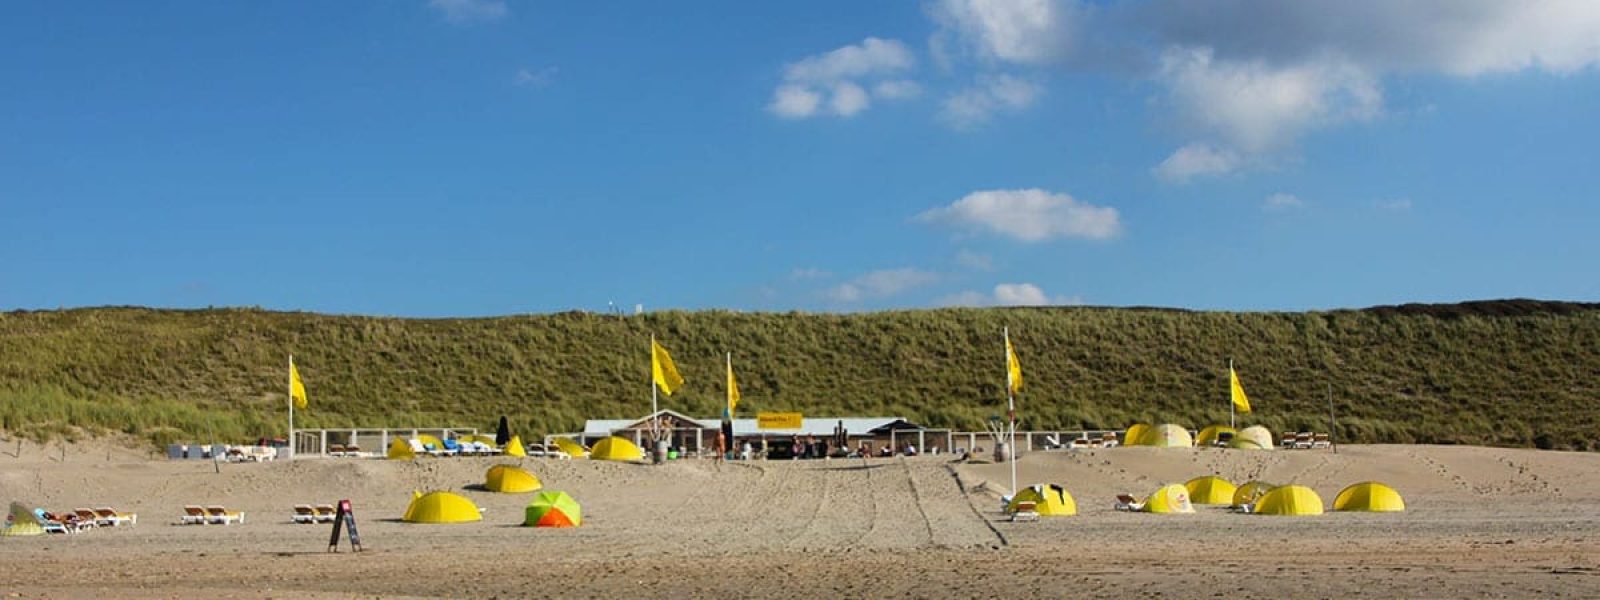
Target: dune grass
(1514,373)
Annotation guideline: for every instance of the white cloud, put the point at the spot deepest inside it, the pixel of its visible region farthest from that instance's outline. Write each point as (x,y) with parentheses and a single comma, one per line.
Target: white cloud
(466,12)
(1394,205)
(993,93)
(1030,215)
(848,99)
(1008,294)
(834,80)
(534,77)
(1197,159)
(897,89)
(880,284)
(1257,107)
(974,260)
(1282,201)
(809,273)
(794,102)
(1018,31)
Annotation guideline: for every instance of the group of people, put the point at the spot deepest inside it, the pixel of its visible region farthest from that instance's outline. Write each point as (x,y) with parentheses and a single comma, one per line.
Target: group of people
(809,447)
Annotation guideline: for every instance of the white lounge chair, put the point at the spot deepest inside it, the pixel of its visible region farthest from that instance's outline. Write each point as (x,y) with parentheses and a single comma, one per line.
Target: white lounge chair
(217,515)
(1026,511)
(1128,503)
(1320,440)
(325,513)
(109,517)
(303,513)
(193,514)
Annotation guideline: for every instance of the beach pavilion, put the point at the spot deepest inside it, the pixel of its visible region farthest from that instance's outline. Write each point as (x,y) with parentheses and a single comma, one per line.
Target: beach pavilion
(698,437)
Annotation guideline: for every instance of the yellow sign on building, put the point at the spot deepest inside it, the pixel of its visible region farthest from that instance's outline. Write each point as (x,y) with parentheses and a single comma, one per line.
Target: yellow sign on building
(784,420)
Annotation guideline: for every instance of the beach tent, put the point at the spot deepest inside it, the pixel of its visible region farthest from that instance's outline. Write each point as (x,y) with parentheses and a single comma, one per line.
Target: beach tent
(1132,435)
(615,448)
(1210,489)
(1166,436)
(1209,435)
(572,448)
(1050,499)
(1172,498)
(553,509)
(1369,496)
(1251,491)
(1240,443)
(400,449)
(510,479)
(1291,500)
(515,447)
(430,442)
(23,522)
(1254,437)
(440,507)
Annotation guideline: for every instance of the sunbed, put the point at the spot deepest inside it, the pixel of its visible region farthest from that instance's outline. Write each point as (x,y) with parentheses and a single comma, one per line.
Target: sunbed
(326,513)
(105,515)
(1128,502)
(1320,440)
(217,515)
(50,523)
(1026,511)
(193,515)
(303,513)
(86,518)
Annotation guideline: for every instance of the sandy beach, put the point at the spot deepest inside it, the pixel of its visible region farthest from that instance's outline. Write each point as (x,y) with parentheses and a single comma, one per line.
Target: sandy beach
(1481,522)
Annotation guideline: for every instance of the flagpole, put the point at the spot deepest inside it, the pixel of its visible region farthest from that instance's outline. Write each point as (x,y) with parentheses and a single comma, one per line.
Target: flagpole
(653,408)
(729,416)
(1011,411)
(1230,394)
(291,406)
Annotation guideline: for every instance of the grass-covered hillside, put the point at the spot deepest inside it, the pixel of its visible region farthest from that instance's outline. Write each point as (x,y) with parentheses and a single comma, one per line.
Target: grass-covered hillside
(1519,373)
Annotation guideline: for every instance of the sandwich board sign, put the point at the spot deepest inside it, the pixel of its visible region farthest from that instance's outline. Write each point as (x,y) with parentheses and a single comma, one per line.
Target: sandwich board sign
(346,517)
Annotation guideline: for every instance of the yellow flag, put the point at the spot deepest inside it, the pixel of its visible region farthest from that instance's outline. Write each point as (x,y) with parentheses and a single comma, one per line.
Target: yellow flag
(297,389)
(662,371)
(1240,402)
(1013,368)
(733,391)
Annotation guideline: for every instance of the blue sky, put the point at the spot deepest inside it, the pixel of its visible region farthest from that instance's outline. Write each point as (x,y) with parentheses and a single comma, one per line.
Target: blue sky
(480,157)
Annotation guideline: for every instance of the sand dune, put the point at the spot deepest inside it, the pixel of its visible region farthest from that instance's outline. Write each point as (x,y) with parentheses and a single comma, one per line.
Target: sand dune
(1482,522)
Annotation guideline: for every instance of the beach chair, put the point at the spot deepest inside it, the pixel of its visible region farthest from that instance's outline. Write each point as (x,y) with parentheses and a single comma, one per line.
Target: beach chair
(352,450)
(217,515)
(303,513)
(336,450)
(1051,443)
(86,518)
(193,515)
(325,513)
(1320,440)
(1026,511)
(1302,440)
(50,522)
(1108,439)
(1287,440)
(1128,503)
(107,516)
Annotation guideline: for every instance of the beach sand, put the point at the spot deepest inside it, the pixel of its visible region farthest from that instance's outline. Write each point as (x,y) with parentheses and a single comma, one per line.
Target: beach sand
(1481,523)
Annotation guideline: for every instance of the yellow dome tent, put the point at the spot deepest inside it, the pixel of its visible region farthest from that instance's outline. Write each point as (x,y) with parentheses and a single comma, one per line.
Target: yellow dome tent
(22,522)
(1251,491)
(615,448)
(1369,496)
(400,449)
(1210,489)
(1050,499)
(510,479)
(1209,435)
(572,448)
(515,447)
(440,507)
(1134,433)
(1172,498)
(1166,436)
(1290,500)
(1254,437)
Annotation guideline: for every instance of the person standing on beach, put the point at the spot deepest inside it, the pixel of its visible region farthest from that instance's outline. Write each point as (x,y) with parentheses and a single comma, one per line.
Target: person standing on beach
(722,447)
